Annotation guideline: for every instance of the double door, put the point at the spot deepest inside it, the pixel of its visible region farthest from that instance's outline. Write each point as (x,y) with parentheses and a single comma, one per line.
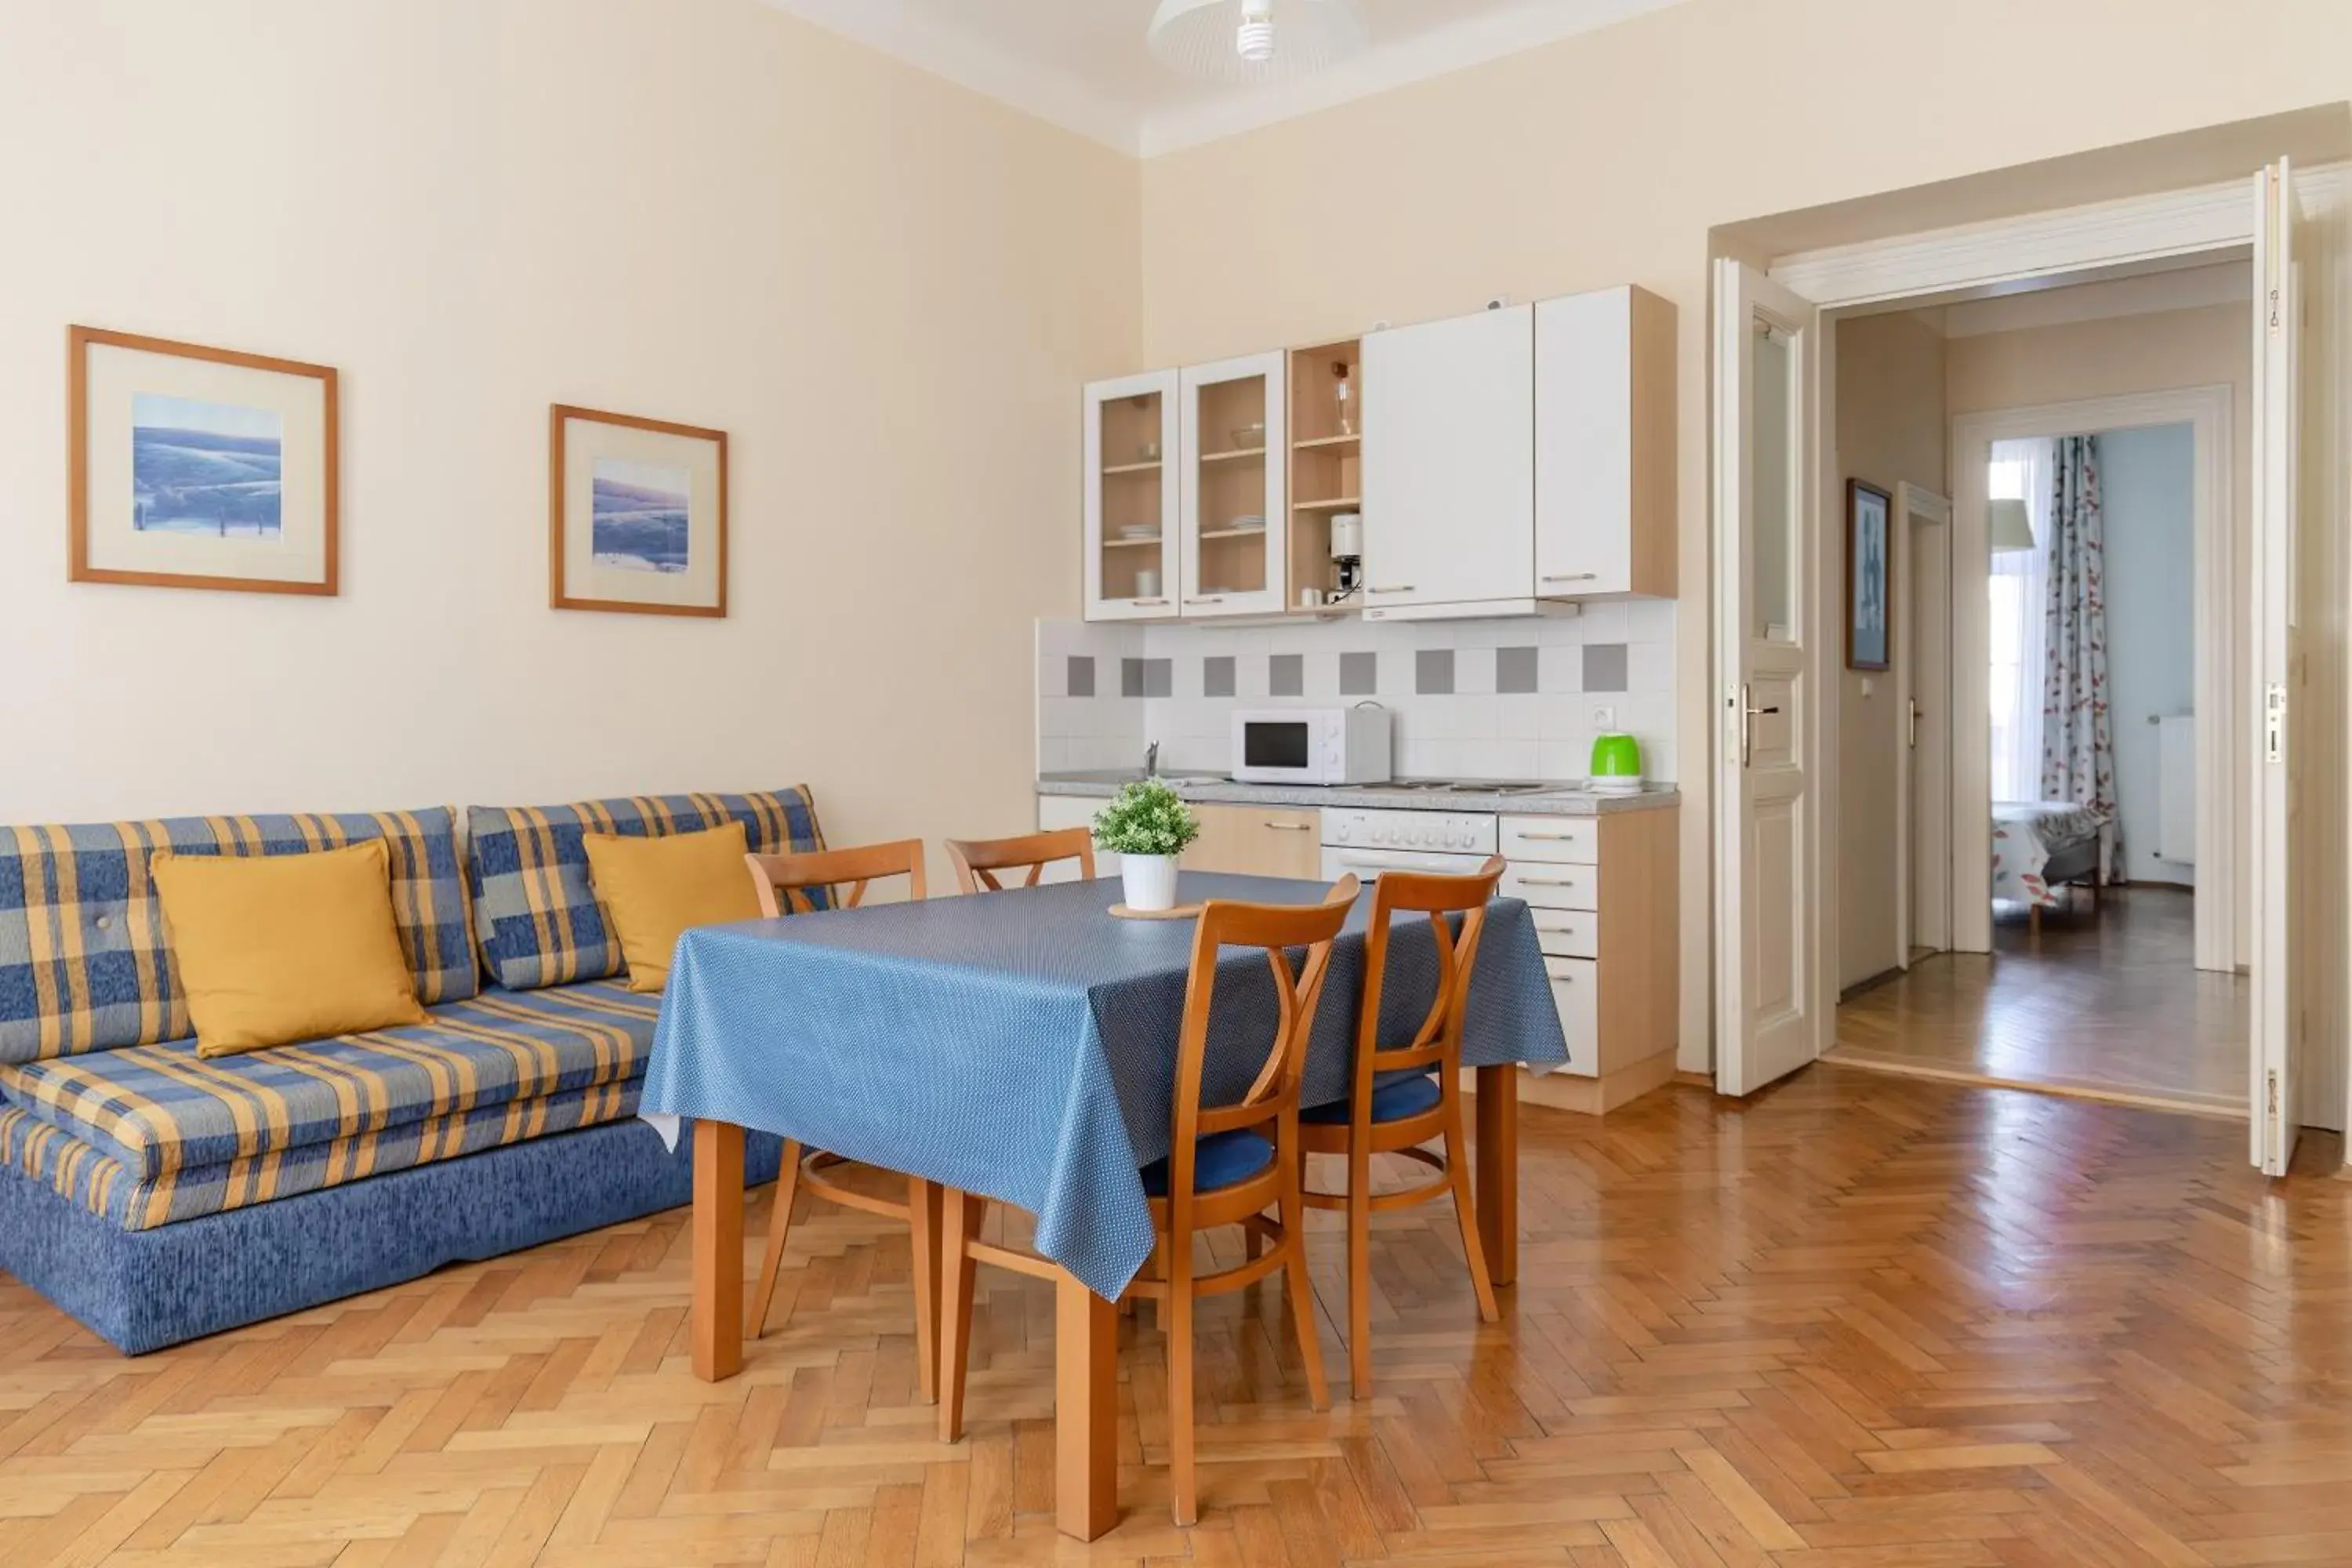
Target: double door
(1186,505)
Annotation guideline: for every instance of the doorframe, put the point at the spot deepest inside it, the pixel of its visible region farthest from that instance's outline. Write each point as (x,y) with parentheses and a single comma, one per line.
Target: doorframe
(2209,411)
(1915,506)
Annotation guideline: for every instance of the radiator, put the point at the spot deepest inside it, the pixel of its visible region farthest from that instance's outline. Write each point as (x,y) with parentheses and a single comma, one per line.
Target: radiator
(2176,800)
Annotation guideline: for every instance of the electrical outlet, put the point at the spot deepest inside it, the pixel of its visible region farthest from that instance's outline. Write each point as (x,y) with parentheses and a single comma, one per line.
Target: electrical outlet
(1604,717)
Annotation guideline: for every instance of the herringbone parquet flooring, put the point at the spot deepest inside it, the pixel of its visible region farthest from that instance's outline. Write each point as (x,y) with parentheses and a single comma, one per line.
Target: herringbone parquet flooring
(1861,1319)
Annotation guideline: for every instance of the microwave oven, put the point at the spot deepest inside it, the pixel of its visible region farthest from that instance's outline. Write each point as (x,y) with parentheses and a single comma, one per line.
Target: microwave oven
(1312,745)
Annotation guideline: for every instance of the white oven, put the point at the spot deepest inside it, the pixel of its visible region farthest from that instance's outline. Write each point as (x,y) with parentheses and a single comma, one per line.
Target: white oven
(1365,843)
(1312,745)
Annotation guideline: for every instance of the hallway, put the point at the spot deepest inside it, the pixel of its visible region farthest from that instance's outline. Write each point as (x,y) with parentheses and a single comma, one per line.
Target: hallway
(2105,1004)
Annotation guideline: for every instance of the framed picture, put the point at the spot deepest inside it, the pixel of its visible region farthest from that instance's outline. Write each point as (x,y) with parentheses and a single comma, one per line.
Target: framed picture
(638,516)
(199,468)
(1869,576)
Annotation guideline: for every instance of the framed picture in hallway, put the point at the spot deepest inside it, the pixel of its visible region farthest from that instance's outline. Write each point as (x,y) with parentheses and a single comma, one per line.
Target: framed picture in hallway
(1869,576)
(636,514)
(199,468)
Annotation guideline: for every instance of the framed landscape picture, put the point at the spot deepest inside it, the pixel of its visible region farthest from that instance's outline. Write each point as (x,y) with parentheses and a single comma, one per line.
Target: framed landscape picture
(637,517)
(199,468)
(1869,576)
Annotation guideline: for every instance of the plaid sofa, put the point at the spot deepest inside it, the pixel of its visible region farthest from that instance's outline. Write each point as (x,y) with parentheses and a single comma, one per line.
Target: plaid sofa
(119,1144)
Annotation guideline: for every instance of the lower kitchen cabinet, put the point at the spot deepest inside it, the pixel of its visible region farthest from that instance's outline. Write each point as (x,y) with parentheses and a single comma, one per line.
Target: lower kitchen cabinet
(1603,893)
(1249,840)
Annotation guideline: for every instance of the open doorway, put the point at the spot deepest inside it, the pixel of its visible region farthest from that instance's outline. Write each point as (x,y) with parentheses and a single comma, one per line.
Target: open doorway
(2066,857)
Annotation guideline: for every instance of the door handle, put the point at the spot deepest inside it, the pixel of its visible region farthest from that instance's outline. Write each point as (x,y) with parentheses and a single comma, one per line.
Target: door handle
(1914,741)
(1747,713)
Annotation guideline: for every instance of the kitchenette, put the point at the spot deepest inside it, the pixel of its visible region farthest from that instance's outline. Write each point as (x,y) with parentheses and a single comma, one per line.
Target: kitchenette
(1403,602)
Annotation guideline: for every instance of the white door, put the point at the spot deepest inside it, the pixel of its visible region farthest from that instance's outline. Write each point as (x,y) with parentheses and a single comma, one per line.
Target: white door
(1772,993)
(2276,1056)
(1450,463)
(1232,503)
(1926,523)
(1131,491)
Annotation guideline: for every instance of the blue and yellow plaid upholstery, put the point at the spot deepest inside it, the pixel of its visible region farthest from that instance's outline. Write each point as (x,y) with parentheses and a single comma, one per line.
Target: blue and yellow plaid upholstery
(83,1174)
(155,1109)
(84,962)
(536,913)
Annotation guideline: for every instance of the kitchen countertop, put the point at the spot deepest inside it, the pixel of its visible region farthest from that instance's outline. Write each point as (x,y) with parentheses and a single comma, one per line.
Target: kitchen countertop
(1210,790)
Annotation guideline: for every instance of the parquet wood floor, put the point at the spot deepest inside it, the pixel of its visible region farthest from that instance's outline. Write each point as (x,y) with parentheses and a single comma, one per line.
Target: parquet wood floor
(1860,1321)
(2104,1003)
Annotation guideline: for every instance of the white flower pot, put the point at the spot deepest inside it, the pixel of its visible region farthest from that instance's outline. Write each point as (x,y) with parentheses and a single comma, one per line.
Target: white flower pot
(1150,880)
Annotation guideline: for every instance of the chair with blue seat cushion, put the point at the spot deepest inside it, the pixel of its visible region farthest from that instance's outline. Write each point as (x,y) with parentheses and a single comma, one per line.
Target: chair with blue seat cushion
(1228,1165)
(1406,1096)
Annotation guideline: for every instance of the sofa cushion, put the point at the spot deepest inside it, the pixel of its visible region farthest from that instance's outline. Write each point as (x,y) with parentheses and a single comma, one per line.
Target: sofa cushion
(533,905)
(154,1110)
(87,1175)
(84,961)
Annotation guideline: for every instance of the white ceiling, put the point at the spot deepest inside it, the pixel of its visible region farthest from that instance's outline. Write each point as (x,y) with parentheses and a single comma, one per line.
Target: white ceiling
(1083,64)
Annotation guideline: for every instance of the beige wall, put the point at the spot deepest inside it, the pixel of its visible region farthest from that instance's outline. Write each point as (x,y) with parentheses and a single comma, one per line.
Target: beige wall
(1891,430)
(1610,158)
(887,288)
(2210,346)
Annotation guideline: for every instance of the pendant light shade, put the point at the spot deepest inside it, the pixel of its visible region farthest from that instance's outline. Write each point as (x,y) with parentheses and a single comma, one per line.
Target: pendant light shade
(1256,40)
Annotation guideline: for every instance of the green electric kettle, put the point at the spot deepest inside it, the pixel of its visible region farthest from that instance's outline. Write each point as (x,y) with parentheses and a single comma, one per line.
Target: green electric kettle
(1616,763)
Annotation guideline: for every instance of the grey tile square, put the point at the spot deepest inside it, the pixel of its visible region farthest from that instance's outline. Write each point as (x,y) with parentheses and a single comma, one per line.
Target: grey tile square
(1287,675)
(1217,676)
(1131,677)
(1515,670)
(1159,677)
(1360,674)
(1081,675)
(1433,671)
(1605,667)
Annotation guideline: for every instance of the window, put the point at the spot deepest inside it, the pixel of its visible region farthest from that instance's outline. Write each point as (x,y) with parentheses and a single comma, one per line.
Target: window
(2021,471)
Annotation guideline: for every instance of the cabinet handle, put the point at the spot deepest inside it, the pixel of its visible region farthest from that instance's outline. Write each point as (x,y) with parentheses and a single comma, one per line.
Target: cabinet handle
(1400,588)
(1544,837)
(1573,577)
(1146,601)
(1211,599)
(1549,881)
(1291,827)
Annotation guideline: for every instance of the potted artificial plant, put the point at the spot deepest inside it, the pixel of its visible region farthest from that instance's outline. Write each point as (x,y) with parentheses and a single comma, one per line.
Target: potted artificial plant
(1147,826)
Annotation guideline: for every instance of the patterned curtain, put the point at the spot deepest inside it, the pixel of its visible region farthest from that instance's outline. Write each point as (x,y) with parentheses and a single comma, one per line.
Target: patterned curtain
(2078,753)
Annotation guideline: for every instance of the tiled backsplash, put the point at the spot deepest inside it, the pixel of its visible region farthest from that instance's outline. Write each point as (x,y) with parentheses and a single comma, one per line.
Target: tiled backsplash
(1515,699)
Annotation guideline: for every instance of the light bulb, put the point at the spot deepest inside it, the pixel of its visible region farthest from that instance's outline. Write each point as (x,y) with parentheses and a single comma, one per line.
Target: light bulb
(1253,41)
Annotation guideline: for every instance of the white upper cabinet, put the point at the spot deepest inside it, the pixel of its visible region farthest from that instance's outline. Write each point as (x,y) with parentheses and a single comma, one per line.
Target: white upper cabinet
(1605,445)
(1231,502)
(1132,471)
(1449,466)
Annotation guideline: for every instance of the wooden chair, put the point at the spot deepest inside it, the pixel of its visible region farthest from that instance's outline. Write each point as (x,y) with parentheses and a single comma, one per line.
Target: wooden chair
(1226,1165)
(1395,1106)
(785,884)
(977,861)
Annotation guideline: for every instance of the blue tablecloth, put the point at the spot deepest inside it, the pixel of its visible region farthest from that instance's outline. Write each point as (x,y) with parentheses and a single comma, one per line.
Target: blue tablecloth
(1022,1044)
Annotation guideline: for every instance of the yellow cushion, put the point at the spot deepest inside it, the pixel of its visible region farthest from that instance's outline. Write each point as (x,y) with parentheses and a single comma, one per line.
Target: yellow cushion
(273,950)
(653,889)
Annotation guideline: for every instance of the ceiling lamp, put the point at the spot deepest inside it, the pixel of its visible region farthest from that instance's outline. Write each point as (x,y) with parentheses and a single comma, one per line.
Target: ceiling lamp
(1256,40)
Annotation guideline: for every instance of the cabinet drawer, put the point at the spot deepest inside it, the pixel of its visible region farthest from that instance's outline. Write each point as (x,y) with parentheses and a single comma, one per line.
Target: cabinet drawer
(1568,933)
(1576,992)
(1576,839)
(1554,887)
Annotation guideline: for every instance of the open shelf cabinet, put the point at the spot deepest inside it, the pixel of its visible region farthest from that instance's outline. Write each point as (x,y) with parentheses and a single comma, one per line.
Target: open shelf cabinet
(1327,451)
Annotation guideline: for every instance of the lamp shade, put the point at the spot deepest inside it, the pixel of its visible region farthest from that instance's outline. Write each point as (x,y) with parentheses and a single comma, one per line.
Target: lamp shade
(1247,41)
(2012,527)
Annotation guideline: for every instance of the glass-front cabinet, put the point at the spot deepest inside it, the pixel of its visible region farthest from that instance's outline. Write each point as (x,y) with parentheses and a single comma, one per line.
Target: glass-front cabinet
(1232,498)
(1132,469)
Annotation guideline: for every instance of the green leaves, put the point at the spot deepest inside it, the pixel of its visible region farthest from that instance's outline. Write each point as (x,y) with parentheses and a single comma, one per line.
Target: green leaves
(1147,817)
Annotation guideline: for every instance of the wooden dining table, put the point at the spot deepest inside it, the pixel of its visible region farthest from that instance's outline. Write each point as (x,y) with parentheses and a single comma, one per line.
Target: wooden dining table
(1020,1045)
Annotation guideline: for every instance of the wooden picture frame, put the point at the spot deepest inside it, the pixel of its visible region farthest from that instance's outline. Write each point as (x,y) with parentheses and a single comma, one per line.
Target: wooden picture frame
(1869,577)
(664,572)
(281,542)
